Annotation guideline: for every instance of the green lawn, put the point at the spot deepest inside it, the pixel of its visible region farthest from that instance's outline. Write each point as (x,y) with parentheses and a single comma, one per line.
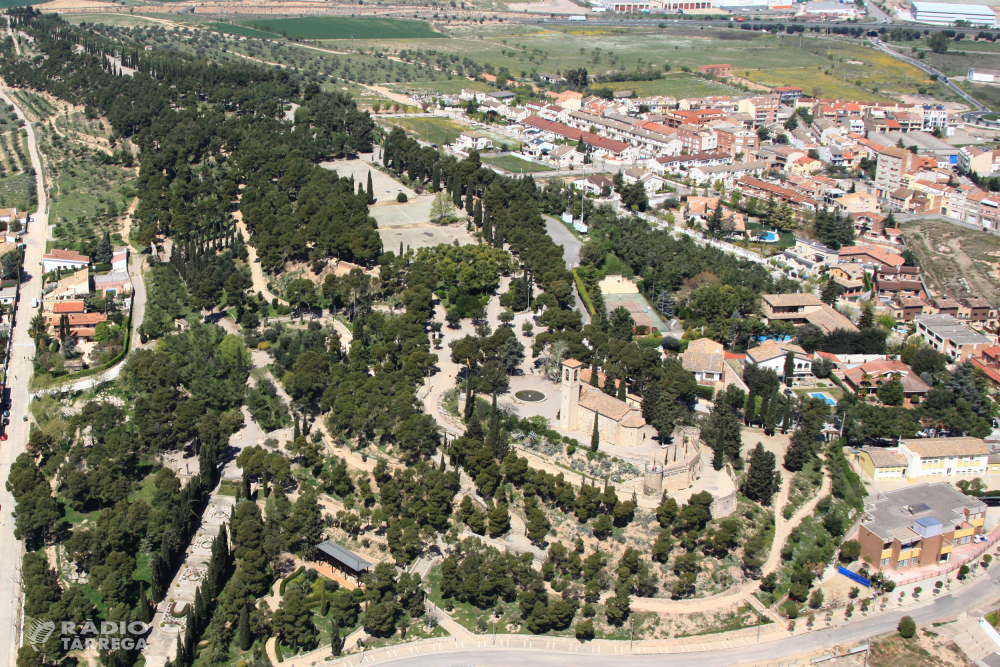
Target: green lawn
(337,27)
(7,4)
(515,165)
(438,131)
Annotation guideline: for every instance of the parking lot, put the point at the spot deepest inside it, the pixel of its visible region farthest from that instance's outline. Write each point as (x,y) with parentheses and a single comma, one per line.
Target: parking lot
(422,235)
(386,187)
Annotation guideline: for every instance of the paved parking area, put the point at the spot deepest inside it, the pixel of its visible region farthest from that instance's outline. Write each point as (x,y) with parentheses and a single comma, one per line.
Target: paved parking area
(417,210)
(422,235)
(359,168)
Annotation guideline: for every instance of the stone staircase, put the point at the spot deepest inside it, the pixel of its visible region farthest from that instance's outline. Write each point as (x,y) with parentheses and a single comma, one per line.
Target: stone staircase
(970,637)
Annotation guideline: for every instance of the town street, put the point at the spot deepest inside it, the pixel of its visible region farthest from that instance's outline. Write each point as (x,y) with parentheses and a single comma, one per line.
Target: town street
(16,396)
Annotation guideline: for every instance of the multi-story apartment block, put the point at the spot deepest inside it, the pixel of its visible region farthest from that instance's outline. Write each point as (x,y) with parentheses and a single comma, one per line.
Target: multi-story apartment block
(695,139)
(950,337)
(892,164)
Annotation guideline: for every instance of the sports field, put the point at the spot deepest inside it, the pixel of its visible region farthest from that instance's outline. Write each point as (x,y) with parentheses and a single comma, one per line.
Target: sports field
(336,27)
(438,131)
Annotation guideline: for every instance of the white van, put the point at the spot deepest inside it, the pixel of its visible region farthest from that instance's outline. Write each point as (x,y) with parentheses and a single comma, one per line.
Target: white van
(34,302)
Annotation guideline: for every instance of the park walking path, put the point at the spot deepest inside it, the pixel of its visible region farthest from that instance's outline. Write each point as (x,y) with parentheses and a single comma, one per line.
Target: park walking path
(782,529)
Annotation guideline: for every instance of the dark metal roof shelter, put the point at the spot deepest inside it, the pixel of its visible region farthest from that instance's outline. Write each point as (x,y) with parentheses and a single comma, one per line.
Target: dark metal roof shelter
(344,556)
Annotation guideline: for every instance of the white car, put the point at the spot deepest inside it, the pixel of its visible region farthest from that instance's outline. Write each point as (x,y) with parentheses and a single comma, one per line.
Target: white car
(979,539)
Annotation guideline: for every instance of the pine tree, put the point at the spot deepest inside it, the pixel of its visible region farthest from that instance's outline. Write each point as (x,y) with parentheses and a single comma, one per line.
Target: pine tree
(595,437)
(103,252)
(867,319)
(245,637)
(830,292)
(799,450)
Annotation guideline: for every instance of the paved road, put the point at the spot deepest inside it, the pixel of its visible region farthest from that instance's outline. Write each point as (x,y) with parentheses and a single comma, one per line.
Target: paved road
(19,370)
(563,237)
(978,107)
(975,593)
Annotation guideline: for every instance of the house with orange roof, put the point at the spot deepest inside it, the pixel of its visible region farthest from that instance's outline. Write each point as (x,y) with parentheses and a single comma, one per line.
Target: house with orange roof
(870,254)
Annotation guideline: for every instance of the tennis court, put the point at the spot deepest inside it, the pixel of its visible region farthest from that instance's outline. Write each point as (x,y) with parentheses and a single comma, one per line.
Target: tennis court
(641,311)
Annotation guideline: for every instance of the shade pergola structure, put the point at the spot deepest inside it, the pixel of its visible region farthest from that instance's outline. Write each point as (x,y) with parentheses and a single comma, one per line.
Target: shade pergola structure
(344,559)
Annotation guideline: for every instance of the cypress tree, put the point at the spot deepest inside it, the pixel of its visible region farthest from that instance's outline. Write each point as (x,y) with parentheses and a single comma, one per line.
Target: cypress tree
(246,484)
(477,214)
(595,437)
(244,634)
(456,192)
(470,203)
(786,422)
(335,638)
(144,609)
(436,178)
(594,382)
(765,403)
(771,416)
(371,188)
(622,389)
(750,407)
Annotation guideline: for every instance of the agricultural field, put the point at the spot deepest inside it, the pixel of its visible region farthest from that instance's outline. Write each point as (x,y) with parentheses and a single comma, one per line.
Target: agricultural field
(86,183)
(956,261)
(33,104)
(340,27)
(849,72)
(241,30)
(16,181)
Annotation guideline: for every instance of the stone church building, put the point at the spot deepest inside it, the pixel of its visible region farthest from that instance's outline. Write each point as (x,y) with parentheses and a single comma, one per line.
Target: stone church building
(618,422)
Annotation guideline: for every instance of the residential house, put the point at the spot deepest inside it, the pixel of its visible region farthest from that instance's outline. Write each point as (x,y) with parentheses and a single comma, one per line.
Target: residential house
(114,283)
(719,71)
(729,174)
(651,182)
(811,256)
(772,354)
(565,155)
(677,163)
(857,202)
(865,379)
(64,259)
(803,309)
(119,259)
(705,359)
(71,287)
(898,281)
(472,140)
(850,278)
(871,255)
(596,185)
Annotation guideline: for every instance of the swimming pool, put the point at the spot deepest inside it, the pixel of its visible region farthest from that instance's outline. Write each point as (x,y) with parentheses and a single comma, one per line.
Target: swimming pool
(769,237)
(823,396)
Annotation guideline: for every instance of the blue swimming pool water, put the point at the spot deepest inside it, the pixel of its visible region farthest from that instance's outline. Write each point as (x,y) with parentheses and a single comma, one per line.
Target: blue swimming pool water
(769,237)
(824,397)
